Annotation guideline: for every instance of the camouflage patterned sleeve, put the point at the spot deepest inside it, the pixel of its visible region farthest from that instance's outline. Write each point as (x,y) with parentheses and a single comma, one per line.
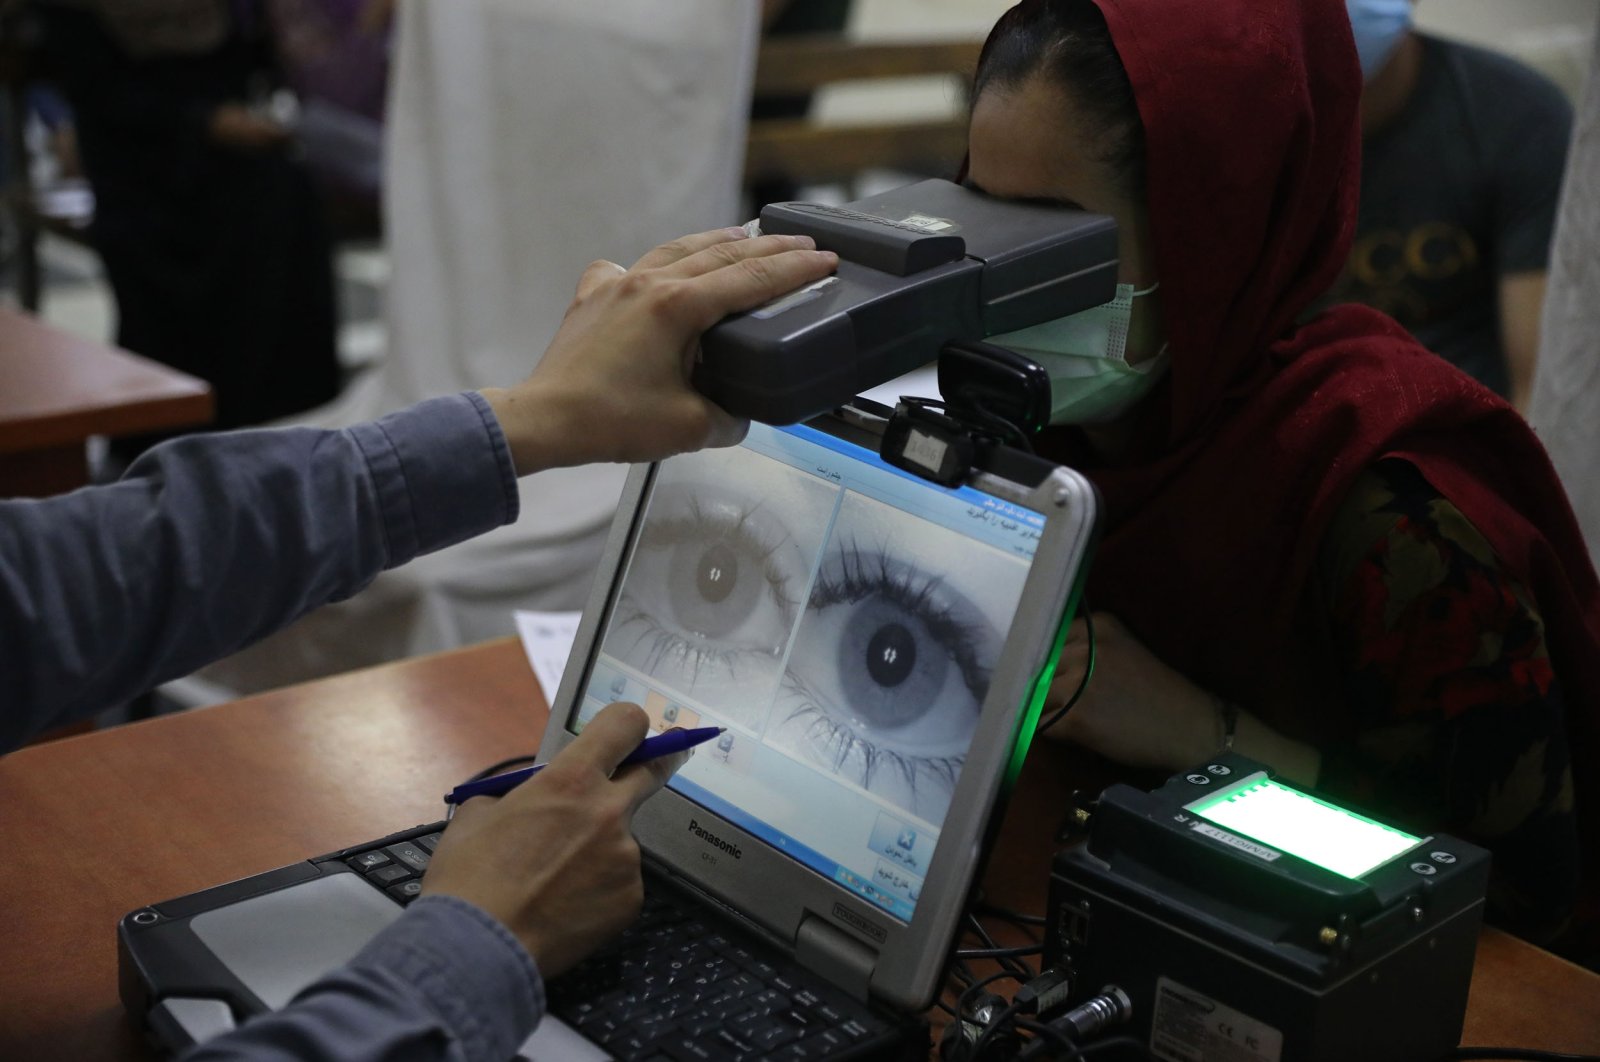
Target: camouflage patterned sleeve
(1458,715)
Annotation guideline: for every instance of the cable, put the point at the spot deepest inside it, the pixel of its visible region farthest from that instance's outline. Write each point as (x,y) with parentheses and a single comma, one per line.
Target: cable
(492,769)
(919,402)
(1089,1019)
(995,1026)
(1001,953)
(1046,1034)
(1037,996)
(1516,1053)
(1084,1023)
(997,1031)
(1030,931)
(957,1028)
(1083,683)
(1006,914)
(994,951)
(1044,995)
(503,765)
(1008,428)
(1043,1034)
(975,926)
(1008,431)
(976,986)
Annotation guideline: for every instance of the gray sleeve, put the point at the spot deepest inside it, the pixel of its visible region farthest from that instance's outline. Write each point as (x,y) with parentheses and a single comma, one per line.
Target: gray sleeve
(211,542)
(444,982)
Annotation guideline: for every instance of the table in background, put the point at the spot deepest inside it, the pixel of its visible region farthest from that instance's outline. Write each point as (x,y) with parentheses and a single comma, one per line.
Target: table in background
(57,389)
(102,824)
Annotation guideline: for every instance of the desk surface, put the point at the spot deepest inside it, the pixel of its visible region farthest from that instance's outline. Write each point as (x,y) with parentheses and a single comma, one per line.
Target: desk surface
(57,389)
(100,824)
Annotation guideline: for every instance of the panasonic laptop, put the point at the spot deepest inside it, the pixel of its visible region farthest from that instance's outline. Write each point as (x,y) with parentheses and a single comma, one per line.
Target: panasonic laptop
(877,648)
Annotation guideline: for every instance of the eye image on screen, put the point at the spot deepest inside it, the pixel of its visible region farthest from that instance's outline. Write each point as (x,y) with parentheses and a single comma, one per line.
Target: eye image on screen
(892,659)
(717,576)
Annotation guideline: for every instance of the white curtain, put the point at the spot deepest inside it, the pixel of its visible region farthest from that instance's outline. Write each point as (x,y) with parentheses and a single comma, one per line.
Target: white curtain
(526,138)
(1566,389)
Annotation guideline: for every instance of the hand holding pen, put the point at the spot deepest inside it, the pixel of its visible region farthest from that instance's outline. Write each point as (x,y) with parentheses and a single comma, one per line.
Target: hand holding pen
(667,744)
(555,862)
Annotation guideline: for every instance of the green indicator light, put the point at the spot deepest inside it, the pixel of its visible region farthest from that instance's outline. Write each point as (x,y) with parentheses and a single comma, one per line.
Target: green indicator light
(1300,824)
(1041,689)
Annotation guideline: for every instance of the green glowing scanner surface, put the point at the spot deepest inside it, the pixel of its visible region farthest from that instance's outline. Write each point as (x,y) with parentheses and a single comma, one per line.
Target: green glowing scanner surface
(1302,825)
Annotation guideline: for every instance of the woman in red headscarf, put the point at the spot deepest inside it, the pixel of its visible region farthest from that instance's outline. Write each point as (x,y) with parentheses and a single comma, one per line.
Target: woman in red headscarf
(1323,545)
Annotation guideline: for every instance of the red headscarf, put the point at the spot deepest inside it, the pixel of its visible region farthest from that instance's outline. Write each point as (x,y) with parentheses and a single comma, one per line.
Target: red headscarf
(1251,119)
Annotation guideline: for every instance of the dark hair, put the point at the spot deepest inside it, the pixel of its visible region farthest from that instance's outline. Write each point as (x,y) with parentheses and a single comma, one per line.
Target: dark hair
(1068,41)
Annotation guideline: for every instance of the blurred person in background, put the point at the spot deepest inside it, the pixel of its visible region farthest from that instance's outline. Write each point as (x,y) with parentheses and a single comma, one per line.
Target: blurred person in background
(210,231)
(1463,151)
(335,57)
(513,134)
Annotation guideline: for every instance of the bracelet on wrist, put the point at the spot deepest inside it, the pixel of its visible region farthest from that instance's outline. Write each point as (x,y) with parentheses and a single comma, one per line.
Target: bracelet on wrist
(1227,724)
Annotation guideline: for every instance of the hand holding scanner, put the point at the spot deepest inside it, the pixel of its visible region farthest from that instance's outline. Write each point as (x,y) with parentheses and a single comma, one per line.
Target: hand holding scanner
(919,267)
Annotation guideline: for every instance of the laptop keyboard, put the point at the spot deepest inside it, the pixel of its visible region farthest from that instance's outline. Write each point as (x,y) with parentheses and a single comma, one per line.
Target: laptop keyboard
(396,864)
(675,985)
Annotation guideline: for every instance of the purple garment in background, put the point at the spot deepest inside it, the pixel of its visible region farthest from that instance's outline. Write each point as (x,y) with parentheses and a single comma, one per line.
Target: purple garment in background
(329,54)
(246,16)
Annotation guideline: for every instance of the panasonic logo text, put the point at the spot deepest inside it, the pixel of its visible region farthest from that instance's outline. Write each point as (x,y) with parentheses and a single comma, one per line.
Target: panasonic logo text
(855,921)
(715,841)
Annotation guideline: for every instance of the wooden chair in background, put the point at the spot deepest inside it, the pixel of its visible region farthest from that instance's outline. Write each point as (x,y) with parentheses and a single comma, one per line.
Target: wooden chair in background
(804,151)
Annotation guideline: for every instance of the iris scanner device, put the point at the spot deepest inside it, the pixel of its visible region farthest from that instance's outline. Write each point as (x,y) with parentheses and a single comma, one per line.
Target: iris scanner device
(919,267)
(1250,921)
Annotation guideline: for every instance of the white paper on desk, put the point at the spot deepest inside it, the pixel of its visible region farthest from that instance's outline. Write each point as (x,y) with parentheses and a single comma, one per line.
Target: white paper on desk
(547,639)
(923,382)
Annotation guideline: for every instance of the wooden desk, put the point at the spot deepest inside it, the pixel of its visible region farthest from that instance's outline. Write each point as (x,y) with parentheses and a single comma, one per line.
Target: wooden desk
(100,824)
(57,389)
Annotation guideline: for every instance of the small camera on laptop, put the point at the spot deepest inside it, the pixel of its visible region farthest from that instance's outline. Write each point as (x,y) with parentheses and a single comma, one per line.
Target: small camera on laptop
(992,397)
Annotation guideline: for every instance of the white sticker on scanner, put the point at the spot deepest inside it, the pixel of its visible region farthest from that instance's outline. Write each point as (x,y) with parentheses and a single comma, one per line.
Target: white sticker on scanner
(793,299)
(926,450)
(927,223)
(1187,1026)
(1260,851)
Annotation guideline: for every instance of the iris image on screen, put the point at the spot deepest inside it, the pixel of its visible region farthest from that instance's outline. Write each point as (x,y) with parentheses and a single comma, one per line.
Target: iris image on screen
(893,656)
(717,577)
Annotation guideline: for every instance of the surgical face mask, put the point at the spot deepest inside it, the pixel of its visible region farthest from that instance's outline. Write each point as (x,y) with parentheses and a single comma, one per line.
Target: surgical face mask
(1379,26)
(1086,356)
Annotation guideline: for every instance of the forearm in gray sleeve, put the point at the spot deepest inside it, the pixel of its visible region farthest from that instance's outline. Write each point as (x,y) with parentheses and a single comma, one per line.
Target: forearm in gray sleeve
(444,983)
(211,542)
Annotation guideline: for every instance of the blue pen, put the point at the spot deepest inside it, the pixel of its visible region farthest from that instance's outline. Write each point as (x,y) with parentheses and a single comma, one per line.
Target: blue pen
(649,749)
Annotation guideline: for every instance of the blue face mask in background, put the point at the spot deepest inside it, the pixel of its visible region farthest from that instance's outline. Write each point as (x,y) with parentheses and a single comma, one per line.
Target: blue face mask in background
(1379,25)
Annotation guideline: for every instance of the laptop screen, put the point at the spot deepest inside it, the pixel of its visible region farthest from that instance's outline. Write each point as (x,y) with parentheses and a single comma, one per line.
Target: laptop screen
(841,619)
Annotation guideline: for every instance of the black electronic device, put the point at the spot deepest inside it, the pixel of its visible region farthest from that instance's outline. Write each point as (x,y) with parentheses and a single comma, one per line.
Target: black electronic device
(993,399)
(919,267)
(1250,921)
